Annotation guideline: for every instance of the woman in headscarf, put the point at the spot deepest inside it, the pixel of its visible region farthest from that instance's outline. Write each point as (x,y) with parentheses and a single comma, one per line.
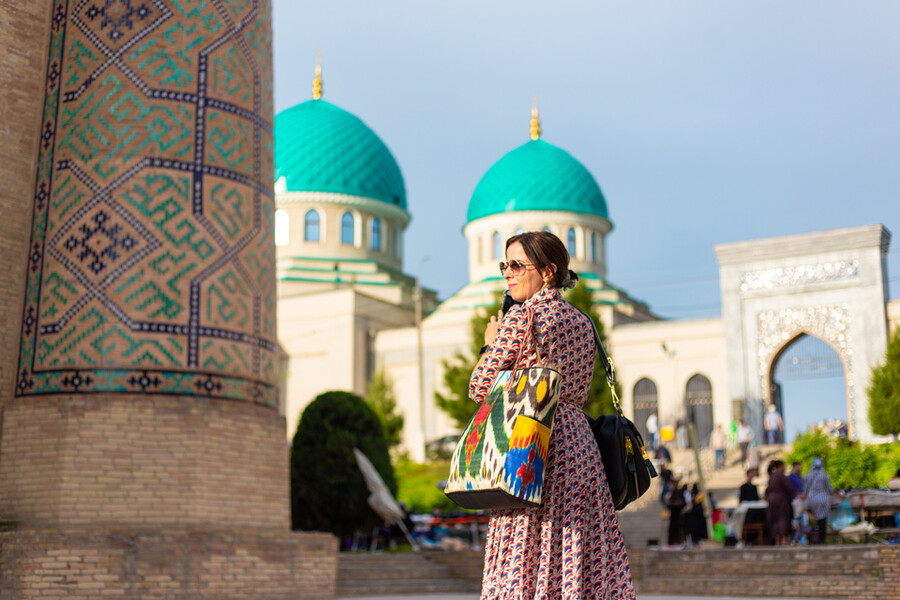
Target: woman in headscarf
(818,490)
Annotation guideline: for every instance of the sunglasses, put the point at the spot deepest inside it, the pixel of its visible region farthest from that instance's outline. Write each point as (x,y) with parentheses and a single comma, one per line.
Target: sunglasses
(515,267)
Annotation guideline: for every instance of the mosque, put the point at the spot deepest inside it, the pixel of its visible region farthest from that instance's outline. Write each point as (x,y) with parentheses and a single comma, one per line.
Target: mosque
(792,306)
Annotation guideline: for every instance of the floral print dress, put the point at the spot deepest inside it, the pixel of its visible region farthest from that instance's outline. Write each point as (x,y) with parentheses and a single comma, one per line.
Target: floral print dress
(570,547)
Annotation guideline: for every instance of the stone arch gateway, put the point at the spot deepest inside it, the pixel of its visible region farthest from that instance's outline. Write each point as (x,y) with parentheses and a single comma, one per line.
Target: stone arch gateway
(832,285)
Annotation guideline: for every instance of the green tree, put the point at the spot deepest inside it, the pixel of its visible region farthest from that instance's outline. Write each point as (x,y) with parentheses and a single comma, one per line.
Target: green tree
(328,491)
(884,391)
(458,370)
(599,400)
(380,398)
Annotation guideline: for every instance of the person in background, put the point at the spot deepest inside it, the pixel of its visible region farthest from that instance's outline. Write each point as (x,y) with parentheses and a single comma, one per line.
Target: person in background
(773,425)
(779,494)
(718,441)
(748,491)
(818,490)
(695,520)
(653,429)
(675,500)
(796,476)
(663,456)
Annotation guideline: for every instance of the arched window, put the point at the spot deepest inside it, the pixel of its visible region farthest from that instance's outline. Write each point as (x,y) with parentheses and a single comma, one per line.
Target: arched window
(519,231)
(645,404)
(547,229)
(571,241)
(593,246)
(698,406)
(311,226)
(376,233)
(348,229)
(495,242)
(282,227)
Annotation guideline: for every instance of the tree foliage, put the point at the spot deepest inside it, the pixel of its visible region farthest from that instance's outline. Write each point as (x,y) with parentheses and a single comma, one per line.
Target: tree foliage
(884,391)
(458,370)
(328,491)
(850,464)
(380,398)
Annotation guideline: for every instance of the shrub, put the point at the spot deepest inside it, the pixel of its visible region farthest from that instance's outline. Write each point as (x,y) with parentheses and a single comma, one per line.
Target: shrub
(328,491)
(849,464)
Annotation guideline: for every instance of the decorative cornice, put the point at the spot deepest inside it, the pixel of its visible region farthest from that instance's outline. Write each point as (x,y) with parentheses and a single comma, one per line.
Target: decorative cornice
(767,279)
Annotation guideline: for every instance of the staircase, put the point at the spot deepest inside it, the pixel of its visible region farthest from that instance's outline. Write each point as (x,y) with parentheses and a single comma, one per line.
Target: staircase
(410,573)
(647,520)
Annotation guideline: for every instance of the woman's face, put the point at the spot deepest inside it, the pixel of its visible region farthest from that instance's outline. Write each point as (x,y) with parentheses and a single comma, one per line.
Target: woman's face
(528,283)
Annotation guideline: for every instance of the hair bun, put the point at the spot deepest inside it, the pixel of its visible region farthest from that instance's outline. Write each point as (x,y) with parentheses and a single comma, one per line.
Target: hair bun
(570,281)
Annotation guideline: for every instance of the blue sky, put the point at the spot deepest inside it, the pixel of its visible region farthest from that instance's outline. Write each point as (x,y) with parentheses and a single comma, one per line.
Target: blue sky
(702,121)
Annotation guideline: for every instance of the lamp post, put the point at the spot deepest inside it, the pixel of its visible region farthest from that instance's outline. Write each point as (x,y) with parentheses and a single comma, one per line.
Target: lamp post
(417,302)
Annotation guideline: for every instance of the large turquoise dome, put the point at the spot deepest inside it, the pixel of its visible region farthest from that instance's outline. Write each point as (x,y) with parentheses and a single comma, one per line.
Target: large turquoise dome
(537,176)
(320,147)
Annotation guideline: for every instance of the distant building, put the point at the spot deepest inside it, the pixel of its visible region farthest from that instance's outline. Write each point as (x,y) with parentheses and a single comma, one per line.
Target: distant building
(346,307)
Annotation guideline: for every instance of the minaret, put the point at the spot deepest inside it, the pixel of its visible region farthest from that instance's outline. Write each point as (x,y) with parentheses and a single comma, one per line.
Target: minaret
(142,435)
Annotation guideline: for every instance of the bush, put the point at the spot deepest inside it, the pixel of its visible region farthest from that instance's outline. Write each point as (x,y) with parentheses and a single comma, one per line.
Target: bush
(328,491)
(849,464)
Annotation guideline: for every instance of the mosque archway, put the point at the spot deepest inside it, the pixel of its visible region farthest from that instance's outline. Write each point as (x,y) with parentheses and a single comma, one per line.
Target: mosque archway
(698,406)
(807,386)
(645,404)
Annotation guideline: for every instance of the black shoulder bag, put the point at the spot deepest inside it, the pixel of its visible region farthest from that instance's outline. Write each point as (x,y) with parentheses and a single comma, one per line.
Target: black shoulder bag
(628,468)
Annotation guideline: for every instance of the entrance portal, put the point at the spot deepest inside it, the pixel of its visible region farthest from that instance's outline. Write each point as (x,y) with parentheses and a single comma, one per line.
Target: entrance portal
(808,386)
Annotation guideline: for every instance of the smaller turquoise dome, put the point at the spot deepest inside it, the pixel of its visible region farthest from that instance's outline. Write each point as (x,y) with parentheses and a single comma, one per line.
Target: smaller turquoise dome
(537,176)
(320,147)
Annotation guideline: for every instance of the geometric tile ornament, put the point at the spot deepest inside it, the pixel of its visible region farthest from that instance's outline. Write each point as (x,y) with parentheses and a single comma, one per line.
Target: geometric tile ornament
(151,266)
(830,323)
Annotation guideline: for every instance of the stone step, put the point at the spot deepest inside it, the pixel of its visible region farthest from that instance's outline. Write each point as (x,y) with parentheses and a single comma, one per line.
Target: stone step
(374,574)
(401,587)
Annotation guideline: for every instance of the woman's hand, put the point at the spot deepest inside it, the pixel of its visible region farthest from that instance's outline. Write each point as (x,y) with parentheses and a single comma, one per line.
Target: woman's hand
(493,328)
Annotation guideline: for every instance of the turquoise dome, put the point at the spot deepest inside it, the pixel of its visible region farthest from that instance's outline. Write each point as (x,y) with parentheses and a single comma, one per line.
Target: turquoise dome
(537,176)
(320,147)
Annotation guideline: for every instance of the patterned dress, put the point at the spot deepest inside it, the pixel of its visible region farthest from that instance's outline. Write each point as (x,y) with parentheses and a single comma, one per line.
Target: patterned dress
(570,547)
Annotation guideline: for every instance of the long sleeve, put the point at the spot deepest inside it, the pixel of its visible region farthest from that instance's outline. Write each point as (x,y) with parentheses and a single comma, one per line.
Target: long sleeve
(501,354)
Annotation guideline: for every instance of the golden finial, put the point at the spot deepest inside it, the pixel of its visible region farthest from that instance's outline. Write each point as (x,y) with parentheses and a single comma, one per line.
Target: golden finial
(317,81)
(535,120)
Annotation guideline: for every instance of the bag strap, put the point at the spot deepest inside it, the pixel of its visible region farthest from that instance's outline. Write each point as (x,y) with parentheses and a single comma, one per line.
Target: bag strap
(607,363)
(529,312)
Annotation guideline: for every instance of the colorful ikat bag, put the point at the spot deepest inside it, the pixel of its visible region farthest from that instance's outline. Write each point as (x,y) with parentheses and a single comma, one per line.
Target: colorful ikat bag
(501,456)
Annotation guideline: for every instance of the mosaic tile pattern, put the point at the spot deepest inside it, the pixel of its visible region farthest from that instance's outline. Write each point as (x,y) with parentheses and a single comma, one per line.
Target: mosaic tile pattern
(830,323)
(152,260)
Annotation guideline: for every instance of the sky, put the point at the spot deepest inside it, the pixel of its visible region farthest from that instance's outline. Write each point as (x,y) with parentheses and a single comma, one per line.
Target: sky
(703,121)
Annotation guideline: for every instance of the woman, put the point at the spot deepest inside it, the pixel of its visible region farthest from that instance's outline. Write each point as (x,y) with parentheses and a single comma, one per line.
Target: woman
(818,490)
(695,520)
(676,501)
(570,546)
(779,494)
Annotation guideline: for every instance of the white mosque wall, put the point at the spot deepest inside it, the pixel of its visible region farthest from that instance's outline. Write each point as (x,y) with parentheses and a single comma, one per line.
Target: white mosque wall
(444,333)
(330,208)
(484,254)
(829,284)
(328,340)
(669,353)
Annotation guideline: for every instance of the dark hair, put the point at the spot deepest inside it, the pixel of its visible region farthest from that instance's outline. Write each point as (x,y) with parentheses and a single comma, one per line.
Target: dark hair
(545,249)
